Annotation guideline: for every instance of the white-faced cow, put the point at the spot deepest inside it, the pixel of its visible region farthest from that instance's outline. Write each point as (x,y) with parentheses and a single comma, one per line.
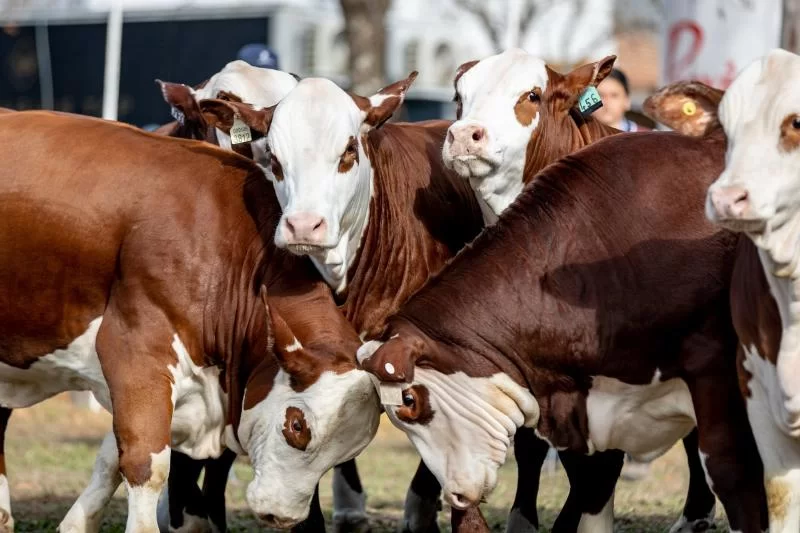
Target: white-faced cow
(602,328)
(515,116)
(758,193)
(145,278)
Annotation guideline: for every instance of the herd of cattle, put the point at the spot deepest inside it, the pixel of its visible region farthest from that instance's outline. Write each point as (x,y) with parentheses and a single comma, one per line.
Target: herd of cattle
(524,274)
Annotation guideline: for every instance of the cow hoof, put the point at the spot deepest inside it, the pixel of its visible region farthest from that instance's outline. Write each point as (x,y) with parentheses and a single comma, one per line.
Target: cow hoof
(350,522)
(518,523)
(695,526)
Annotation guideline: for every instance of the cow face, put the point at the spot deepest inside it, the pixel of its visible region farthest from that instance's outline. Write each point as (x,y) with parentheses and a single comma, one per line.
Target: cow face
(320,168)
(759,190)
(319,411)
(502,102)
(461,425)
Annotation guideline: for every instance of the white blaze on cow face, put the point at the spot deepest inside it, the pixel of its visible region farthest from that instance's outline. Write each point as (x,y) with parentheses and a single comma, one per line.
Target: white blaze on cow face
(321,172)
(759,190)
(461,426)
(301,430)
(487,143)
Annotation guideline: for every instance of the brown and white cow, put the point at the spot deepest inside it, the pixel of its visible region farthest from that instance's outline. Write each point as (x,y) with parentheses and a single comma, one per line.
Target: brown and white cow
(601,327)
(515,116)
(375,209)
(757,194)
(144,278)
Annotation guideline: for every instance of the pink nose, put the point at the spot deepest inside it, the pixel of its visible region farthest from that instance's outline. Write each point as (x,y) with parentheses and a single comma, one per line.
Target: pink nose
(730,202)
(468,139)
(305,228)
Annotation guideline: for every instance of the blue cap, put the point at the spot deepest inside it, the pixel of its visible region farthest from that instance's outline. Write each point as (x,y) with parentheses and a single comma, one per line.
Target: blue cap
(259,55)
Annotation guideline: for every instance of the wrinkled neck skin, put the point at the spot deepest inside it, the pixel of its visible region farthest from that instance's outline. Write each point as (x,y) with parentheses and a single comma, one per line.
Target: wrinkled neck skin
(496,191)
(334,264)
(780,258)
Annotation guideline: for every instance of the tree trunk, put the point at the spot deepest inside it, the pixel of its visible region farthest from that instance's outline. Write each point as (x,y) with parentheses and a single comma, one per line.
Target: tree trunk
(366,37)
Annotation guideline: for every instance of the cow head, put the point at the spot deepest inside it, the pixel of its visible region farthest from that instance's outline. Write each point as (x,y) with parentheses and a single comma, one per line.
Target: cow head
(321,171)
(461,417)
(759,190)
(237,82)
(503,103)
(318,411)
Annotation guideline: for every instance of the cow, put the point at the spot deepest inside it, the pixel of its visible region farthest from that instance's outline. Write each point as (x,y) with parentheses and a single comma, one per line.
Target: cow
(514,116)
(757,195)
(149,277)
(602,328)
(261,88)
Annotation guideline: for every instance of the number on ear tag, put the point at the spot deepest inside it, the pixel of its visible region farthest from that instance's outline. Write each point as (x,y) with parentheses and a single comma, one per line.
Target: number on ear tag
(240,132)
(589,101)
(391,393)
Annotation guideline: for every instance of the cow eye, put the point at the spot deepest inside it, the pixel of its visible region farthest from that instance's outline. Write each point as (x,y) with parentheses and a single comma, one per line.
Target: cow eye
(533,96)
(408,399)
(297,426)
(796,123)
(351,149)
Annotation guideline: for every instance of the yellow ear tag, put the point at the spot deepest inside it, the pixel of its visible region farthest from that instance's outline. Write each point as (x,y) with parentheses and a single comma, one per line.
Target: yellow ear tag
(689,108)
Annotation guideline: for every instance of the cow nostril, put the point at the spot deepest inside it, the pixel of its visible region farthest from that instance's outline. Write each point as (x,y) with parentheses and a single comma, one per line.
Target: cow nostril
(741,197)
(477,135)
(318,225)
(289,226)
(450,137)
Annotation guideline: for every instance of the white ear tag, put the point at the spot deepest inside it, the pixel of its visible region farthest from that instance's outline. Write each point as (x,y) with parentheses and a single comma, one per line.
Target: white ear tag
(390,393)
(240,132)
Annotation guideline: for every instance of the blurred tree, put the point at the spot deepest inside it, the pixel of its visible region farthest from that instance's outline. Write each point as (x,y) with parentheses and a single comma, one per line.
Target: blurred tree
(365,29)
(496,22)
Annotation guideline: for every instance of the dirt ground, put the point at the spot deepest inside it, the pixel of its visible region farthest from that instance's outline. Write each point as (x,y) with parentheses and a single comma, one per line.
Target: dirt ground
(50,450)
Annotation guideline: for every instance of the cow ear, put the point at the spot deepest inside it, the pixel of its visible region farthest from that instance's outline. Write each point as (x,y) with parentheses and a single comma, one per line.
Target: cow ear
(580,78)
(379,107)
(391,361)
(220,114)
(689,107)
(291,355)
(181,98)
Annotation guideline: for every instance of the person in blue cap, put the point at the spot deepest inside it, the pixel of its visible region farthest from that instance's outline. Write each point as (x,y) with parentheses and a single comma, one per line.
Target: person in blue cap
(259,55)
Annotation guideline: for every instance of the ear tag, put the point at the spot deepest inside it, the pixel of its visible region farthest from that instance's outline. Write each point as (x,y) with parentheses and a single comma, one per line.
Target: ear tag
(390,393)
(589,101)
(240,132)
(689,108)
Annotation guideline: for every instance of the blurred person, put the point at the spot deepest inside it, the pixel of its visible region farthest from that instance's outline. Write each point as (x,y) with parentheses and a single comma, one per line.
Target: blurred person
(259,55)
(616,102)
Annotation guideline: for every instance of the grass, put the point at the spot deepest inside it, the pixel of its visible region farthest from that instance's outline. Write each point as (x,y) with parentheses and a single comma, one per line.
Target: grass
(50,451)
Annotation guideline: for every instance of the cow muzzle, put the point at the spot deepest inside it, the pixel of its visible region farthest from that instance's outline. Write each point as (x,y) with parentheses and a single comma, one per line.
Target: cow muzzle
(730,202)
(304,233)
(467,140)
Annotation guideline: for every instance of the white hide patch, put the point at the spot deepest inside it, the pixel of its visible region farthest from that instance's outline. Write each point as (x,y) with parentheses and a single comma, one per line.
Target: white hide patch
(86,514)
(342,413)
(76,367)
(200,406)
(602,522)
(473,424)
(489,91)
(310,130)
(143,499)
(642,420)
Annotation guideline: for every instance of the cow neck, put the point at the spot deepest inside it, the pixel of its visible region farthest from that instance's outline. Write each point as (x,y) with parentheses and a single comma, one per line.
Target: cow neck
(421,214)
(553,139)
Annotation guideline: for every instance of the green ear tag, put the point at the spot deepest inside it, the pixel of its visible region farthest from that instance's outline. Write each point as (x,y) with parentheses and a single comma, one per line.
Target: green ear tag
(589,101)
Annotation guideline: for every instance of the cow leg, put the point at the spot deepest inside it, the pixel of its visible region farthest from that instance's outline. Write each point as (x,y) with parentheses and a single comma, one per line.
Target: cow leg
(530,453)
(700,508)
(781,459)
(315,523)
(181,507)
(422,502)
(468,521)
(728,452)
(590,505)
(349,500)
(214,484)
(6,519)
(86,513)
